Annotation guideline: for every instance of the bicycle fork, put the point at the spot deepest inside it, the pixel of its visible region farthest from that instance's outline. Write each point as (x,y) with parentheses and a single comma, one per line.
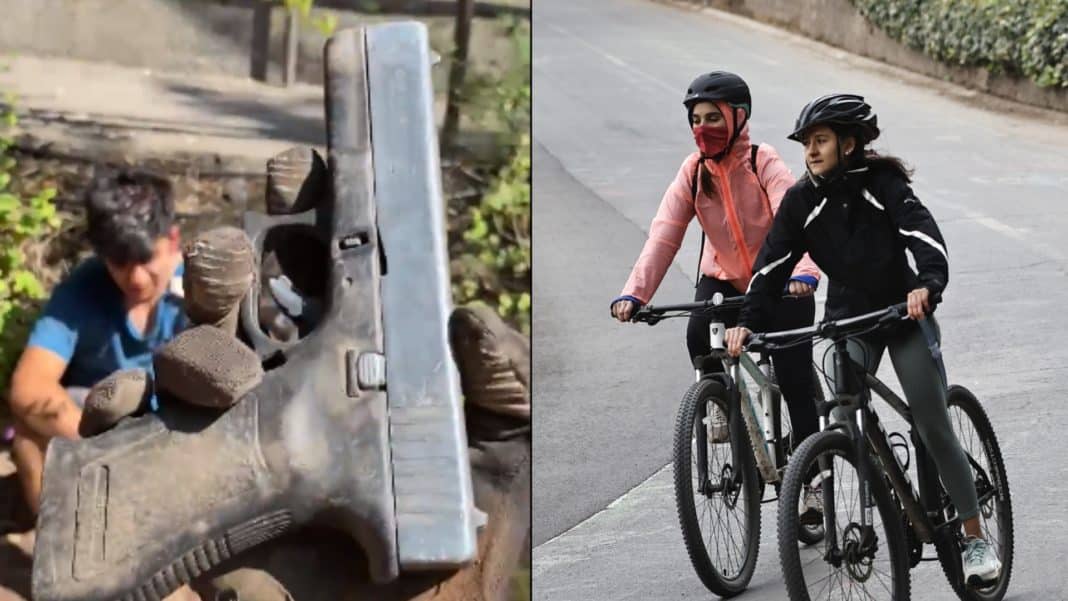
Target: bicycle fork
(849,394)
(717,332)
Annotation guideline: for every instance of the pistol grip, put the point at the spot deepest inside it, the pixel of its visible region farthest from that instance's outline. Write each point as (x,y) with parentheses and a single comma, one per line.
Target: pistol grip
(137,511)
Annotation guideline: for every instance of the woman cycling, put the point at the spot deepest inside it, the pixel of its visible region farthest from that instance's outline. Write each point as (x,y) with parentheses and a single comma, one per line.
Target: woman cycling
(855,212)
(733,189)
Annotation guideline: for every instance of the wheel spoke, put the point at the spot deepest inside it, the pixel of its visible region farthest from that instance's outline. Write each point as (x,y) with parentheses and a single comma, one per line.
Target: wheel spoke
(872,581)
(722,529)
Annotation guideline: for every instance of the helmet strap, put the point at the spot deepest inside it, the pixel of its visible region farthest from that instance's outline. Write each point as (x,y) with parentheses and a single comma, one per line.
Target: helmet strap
(738,124)
(839,168)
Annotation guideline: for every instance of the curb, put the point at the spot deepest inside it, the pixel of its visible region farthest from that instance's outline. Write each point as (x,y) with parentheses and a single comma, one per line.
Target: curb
(970,95)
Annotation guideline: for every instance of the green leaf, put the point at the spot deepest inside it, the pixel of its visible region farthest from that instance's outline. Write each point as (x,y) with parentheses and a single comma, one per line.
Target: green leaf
(47,193)
(505,304)
(24,282)
(8,203)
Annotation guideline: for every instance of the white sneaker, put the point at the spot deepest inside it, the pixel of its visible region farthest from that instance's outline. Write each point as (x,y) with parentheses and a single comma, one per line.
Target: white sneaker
(980,561)
(716,425)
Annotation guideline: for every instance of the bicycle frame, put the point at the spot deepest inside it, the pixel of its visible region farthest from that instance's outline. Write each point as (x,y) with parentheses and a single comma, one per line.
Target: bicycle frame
(922,507)
(765,434)
(768,449)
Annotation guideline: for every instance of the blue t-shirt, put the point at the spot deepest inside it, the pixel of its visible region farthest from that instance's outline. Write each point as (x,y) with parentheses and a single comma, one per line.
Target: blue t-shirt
(86,323)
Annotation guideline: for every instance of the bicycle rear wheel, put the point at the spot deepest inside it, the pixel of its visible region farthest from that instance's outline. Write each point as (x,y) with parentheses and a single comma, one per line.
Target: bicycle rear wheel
(720,516)
(874,561)
(977,438)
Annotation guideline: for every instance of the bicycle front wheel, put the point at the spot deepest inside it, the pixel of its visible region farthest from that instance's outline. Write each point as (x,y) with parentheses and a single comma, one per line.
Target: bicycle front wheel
(852,561)
(720,512)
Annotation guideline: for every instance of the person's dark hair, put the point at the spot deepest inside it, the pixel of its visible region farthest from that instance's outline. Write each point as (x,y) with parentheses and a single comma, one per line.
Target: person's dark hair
(863,155)
(876,160)
(127,211)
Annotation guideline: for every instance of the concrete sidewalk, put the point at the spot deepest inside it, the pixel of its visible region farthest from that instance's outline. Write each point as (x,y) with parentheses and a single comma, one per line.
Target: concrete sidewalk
(108,111)
(218,123)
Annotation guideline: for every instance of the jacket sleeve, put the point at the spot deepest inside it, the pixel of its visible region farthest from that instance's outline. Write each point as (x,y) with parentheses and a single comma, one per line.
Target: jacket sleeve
(776,179)
(916,227)
(782,251)
(665,236)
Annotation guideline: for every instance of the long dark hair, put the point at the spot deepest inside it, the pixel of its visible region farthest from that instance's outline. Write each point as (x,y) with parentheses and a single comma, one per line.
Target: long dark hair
(876,160)
(863,155)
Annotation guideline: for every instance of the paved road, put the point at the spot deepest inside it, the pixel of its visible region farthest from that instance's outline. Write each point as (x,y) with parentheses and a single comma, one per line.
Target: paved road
(610,134)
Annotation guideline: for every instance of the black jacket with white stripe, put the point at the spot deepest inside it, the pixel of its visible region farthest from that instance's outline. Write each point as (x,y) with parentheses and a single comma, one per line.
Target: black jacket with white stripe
(857,230)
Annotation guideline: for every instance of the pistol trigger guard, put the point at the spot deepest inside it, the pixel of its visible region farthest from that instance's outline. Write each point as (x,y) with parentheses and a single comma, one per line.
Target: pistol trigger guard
(258,226)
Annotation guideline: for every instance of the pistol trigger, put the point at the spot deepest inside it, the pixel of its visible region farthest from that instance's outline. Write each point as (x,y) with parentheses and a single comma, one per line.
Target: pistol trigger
(288,299)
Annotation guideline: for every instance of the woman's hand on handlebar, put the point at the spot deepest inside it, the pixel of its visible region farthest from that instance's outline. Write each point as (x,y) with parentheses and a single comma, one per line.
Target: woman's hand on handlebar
(734,339)
(919,301)
(623,309)
(799,288)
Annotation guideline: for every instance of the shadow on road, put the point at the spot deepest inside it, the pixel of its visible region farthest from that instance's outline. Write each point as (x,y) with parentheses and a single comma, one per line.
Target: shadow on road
(272,119)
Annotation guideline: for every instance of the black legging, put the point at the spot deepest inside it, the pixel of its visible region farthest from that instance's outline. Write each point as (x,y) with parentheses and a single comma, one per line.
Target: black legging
(793,366)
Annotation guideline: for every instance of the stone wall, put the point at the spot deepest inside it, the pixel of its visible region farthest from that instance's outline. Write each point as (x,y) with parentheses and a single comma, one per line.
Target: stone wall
(839,23)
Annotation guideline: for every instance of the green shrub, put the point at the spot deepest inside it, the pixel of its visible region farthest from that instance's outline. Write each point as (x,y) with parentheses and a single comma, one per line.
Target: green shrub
(24,220)
(492,263)
(326,23)
(1019,37)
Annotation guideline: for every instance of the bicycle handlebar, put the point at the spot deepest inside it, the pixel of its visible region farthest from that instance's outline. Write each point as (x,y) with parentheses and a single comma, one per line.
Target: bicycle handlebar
(833,329)
(652,315)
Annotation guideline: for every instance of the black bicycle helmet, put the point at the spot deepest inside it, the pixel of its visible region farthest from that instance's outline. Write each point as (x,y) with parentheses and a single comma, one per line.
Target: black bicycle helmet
(849,110)
(717,86)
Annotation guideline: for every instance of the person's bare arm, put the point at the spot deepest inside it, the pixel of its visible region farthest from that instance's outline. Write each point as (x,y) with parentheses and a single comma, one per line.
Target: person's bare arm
(38,398)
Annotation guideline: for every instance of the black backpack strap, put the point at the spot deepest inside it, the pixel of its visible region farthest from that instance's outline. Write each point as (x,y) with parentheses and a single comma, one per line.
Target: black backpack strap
(752,160)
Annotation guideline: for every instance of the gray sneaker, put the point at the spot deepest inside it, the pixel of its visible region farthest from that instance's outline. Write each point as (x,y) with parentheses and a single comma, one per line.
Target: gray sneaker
(716,423)
(980,561)
(811,506)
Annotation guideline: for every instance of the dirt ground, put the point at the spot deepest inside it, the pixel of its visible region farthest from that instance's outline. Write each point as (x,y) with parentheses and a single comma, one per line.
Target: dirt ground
(15,548)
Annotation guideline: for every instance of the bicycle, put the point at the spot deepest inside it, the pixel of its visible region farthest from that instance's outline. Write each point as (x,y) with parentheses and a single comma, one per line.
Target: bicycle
(845,461)
(731,478)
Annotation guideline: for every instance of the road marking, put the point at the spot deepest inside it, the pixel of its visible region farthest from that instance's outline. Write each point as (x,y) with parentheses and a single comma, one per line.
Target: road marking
(610,506)
(615,60)
(1005,229)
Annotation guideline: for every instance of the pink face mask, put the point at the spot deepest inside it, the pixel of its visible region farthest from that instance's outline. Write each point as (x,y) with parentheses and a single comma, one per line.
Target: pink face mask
(711,140)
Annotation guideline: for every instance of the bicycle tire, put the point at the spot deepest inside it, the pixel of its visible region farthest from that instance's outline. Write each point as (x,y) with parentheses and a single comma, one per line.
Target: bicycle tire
(948,550)
(892,537)
(721,580)
(811,535)
(807,535)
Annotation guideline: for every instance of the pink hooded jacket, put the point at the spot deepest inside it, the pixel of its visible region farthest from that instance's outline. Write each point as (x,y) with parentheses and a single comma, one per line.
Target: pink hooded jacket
(735,215)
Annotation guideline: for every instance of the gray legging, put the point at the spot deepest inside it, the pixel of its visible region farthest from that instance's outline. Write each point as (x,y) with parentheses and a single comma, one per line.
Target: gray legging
(926,394)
